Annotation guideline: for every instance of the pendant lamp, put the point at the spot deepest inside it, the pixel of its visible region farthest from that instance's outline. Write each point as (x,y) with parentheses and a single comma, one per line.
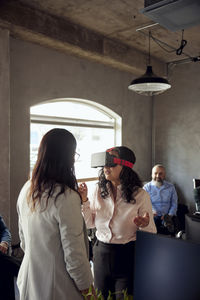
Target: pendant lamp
(149,84)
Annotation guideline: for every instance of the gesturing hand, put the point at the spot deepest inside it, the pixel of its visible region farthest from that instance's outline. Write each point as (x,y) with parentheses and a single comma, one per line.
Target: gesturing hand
(82,188)
(142,221)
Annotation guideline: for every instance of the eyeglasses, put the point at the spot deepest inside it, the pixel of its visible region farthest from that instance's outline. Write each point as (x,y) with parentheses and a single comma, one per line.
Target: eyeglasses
(76,156)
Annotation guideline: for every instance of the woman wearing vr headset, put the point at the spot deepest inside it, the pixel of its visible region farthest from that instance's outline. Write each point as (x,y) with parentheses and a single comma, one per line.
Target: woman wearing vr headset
(117,209)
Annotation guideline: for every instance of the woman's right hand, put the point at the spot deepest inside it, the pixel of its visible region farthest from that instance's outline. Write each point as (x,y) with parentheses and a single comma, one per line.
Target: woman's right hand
(83,190)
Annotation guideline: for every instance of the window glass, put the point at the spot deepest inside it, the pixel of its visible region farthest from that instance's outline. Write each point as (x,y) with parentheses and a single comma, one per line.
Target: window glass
(73,110)
(89,140)
(96,133)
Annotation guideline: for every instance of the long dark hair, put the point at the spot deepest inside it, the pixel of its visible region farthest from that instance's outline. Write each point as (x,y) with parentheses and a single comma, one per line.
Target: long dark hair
(129,179)
(54,165)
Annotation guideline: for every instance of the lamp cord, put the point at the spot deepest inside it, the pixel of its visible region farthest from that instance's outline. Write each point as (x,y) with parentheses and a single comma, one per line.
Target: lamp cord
(183,44)
(159,43)
(149,58)
(178,51)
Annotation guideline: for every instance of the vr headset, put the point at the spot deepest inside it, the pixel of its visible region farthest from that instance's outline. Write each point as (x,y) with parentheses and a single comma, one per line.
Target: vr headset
(104,159)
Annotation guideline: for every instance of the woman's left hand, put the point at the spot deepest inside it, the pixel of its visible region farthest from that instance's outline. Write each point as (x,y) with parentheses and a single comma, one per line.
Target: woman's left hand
(142,221)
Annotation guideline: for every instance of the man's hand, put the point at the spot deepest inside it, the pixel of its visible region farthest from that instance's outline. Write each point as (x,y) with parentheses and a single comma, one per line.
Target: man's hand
(4,247)
(142,221)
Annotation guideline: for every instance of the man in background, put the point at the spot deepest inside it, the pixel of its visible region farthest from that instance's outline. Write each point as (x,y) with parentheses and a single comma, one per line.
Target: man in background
(9,266)
(5,237)
(164,200)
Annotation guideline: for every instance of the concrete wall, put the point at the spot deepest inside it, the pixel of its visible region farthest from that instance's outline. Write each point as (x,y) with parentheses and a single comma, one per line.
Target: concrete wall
(39,74)
(177,130)
(31,74)
(5,126)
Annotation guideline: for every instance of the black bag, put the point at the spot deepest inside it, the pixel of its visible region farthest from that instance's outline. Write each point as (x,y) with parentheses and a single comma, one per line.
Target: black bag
(92,239)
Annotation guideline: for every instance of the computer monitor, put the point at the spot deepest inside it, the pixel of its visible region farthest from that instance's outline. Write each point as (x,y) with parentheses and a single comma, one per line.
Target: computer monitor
(166,268)
(192,228)
(196,194)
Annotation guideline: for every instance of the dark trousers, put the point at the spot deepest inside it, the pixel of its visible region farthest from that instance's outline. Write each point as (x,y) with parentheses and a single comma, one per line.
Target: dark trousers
(166,226)
(160,225)
(9,268)
(114,268)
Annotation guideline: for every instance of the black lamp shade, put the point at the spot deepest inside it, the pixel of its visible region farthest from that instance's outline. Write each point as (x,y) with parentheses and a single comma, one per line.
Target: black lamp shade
(149,84)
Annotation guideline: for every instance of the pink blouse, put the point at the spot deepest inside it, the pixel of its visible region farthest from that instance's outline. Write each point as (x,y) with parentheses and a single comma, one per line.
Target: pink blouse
(114,221)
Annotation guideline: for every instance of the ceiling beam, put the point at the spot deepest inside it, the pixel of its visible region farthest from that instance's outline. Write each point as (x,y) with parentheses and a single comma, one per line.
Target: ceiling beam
(39,27)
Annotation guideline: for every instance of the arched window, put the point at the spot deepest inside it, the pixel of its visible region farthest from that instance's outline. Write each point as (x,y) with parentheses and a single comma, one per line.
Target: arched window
(95,127)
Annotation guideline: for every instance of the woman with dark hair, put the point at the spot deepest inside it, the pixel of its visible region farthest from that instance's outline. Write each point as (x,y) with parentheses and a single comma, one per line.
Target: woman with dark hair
(117,209)
(51,227)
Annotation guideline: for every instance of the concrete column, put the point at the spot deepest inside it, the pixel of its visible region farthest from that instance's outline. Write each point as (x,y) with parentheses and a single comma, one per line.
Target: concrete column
(4,126)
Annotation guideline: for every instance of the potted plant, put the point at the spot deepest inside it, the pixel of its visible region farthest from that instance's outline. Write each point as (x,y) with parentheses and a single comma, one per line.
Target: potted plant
(110,295)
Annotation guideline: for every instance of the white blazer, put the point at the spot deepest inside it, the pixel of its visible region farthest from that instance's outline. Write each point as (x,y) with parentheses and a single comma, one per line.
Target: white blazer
(55,265)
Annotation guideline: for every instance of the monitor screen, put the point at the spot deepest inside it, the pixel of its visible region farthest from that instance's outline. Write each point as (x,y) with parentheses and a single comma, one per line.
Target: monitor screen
(166,268)
(192,228)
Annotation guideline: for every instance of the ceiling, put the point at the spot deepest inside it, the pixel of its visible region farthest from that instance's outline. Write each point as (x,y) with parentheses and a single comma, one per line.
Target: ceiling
(119,21)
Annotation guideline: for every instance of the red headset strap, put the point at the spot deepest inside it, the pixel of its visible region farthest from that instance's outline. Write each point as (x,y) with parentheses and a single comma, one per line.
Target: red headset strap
(110,149)
(122,162)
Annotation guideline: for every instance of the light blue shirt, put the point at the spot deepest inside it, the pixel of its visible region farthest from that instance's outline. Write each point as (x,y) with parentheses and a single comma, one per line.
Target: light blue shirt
(5,235)
(164,198)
